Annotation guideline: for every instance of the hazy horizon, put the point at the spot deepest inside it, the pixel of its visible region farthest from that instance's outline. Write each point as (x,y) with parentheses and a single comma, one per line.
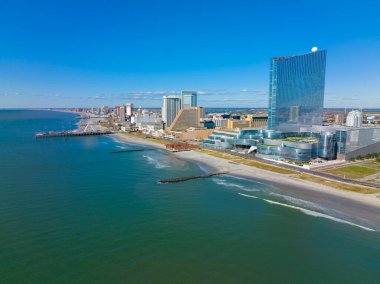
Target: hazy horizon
(73,54)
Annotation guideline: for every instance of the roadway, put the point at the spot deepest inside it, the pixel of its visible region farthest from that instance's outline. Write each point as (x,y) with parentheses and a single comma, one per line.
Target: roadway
(301,170)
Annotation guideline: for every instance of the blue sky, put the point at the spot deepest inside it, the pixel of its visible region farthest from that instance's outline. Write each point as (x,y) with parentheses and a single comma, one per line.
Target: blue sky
(92,53)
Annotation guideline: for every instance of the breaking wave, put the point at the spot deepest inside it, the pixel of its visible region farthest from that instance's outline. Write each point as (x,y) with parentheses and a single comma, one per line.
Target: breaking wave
(117,141)
(246,195)
(311,213)
(230,184)
(121,147)
(317,214)
(243,178)
(155,162)
(299,202)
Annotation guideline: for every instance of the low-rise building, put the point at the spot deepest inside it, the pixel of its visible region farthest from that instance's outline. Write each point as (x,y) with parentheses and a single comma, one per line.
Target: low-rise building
(239,124)
(146,117)
(232,138)
(220,122)
(194,134)
(259,121)
(277,145)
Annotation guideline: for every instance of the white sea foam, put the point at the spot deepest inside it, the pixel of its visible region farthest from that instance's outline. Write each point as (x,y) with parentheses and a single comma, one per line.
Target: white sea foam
(300,202)
(156,163)
(243,178)
(250,196)
(317,214)
(121,147)
(115,140)
(229,184)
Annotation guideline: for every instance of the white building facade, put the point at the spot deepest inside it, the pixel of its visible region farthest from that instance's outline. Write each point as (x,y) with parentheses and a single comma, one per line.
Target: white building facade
(354,119)
(170,108)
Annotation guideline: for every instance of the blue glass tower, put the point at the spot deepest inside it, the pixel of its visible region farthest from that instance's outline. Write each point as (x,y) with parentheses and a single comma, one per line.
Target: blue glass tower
(296,91)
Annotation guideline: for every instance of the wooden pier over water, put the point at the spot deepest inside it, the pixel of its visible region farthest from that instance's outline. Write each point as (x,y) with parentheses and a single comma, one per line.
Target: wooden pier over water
(53,134)
(182,179)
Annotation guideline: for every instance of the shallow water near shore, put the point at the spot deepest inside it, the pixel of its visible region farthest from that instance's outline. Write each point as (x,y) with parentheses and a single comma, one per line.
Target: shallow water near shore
(70,211)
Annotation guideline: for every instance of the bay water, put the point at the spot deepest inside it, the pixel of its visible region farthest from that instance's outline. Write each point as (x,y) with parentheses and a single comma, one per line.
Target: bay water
(71,211)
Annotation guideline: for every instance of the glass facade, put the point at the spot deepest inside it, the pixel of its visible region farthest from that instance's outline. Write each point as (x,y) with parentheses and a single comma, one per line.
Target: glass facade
(349,140)
(296,91)
(286,153)
(327,146)
(278,145)
(189,99)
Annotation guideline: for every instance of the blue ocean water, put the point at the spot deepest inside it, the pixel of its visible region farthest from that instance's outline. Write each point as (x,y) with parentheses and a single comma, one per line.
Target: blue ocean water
(72,211)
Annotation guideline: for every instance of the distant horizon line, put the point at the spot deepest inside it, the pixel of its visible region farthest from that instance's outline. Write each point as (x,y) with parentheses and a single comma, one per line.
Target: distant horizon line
(260,108)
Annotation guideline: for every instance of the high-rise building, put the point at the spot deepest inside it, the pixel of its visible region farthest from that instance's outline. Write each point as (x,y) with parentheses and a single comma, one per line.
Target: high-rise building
(188,99)
(122,113)
(186,118)
(339,118)
(170,108)
(104,109)
(116,111)
(354,118)
(296,91)
(129,109)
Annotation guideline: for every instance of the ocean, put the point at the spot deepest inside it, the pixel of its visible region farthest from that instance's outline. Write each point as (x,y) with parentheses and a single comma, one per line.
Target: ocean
(73,212)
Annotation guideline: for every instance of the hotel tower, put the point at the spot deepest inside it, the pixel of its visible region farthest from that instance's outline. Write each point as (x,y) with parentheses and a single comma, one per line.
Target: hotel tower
(296,91)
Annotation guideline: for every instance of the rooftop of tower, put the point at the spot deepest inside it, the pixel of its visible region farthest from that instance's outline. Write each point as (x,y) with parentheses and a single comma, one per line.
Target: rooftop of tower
(279,58)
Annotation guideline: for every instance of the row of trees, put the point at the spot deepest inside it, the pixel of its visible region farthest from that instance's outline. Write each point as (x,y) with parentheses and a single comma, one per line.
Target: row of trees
(369,156)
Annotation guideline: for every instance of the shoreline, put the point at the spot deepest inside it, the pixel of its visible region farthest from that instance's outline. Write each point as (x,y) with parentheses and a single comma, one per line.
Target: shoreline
(275,178)
(220,164)
(358,205)
(136,140)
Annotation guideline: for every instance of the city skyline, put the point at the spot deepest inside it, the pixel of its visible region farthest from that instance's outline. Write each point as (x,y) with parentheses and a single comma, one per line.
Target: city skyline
(66,56)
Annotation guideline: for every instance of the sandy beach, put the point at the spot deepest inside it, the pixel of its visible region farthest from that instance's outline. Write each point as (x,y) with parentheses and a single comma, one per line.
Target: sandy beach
(136,140)
(365,206)
(252,172)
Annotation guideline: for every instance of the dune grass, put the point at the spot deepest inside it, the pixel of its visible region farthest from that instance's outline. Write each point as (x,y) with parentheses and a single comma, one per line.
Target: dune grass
(353,172)
(372,165)
(338,185)
(247,162)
